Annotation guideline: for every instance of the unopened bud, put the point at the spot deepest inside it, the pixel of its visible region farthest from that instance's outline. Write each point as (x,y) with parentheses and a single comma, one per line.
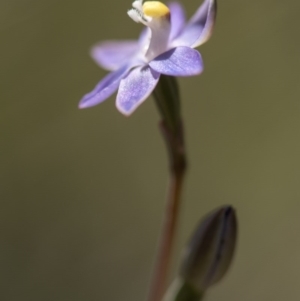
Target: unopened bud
(208,255)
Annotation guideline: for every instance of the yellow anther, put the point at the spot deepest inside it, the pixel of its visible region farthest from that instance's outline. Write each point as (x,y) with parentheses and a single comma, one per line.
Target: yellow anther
(155,9)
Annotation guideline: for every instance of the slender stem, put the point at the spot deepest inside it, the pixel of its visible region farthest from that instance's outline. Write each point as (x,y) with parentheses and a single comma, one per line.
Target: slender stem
(166,95)
(167,237)
(175,145)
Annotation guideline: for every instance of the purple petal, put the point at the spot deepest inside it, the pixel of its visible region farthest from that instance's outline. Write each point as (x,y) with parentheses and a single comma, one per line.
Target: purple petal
(180,61)
(177,19)
(111,55)
(105,88)
(200,27)
(135,88)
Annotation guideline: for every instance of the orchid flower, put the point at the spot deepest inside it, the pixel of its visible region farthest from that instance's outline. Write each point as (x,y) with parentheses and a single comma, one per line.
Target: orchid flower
(166,46)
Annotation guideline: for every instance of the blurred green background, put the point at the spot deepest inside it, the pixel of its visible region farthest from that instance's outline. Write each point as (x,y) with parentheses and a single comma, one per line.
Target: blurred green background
(82,191)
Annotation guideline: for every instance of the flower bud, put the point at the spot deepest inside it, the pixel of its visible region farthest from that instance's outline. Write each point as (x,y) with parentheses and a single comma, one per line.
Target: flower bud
(208,255)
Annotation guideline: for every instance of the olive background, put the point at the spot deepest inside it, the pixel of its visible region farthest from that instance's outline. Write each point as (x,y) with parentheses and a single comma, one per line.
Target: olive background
(82,191)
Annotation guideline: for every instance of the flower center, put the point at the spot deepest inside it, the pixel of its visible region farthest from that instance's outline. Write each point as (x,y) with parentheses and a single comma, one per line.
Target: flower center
(156,16)
(155,9)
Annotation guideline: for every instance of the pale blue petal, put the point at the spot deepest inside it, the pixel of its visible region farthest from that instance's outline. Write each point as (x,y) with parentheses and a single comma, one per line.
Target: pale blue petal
(177,19)
(111,55)
(105,88)
(135,88)
(180,61)
(199,29)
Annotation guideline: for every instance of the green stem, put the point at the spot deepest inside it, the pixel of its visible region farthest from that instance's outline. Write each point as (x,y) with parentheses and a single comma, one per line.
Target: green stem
(181,290)
(167,99)
(188,293)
